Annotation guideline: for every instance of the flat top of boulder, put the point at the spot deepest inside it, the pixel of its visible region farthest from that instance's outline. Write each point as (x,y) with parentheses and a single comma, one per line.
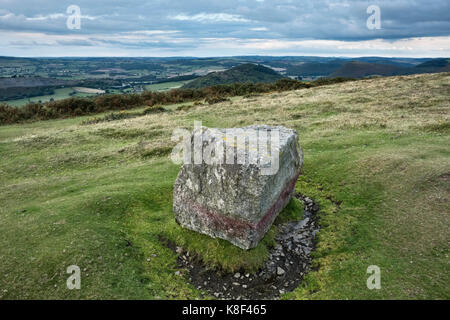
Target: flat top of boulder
(252,142)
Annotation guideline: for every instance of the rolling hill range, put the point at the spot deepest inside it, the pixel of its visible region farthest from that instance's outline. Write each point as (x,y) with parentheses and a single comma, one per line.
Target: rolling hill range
(359,69)
(97,192)
(435,65)
(315,68)
(30,82)
(19,81)
(243,73)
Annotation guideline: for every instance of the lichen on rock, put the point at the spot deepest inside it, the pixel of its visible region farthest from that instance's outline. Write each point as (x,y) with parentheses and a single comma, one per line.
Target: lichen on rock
(236,181)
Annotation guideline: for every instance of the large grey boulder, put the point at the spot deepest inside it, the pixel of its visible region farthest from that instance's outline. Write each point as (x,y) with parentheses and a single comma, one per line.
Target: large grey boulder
(234,182)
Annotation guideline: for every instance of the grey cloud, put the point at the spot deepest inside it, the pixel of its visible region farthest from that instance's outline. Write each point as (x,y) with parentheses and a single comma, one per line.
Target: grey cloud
(242,19)
(319,19)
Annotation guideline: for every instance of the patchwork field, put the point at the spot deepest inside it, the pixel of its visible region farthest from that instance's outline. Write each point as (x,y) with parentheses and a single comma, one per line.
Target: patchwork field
(164,86)
(99,195)
(61,93)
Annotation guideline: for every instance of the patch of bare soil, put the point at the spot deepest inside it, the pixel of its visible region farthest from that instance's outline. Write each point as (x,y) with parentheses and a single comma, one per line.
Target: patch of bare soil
(283,271)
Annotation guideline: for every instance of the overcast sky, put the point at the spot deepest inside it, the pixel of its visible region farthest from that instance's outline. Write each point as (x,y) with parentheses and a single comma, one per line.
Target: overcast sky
(409,28)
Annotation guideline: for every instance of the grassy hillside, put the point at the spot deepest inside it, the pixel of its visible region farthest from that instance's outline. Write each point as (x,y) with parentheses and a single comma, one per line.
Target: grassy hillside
(99,195)
(243,73)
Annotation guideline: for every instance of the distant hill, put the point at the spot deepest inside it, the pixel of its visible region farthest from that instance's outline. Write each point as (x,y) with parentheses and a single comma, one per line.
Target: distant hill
(315,68)
(358,69)
(11,82)
(434,65)
(27,87)
(243,73)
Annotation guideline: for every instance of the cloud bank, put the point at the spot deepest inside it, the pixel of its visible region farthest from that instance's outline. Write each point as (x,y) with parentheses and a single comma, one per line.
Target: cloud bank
(218,28)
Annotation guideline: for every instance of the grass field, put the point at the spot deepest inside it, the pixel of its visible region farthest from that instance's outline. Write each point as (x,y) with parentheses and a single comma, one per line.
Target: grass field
(61,93)
(99,196)
(164,86)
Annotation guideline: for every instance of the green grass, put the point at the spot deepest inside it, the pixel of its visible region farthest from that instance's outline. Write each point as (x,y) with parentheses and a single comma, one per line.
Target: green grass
(164,86)
(100,195)
(61,93)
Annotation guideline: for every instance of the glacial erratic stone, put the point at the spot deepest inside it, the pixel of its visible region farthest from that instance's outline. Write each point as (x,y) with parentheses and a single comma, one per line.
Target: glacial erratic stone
(234,182)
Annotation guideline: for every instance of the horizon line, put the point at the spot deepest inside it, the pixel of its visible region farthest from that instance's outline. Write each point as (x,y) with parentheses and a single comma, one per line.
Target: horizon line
(233,56)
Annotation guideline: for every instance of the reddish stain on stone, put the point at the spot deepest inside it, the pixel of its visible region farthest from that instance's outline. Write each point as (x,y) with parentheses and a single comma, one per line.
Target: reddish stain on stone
(239,228)
(280,202)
